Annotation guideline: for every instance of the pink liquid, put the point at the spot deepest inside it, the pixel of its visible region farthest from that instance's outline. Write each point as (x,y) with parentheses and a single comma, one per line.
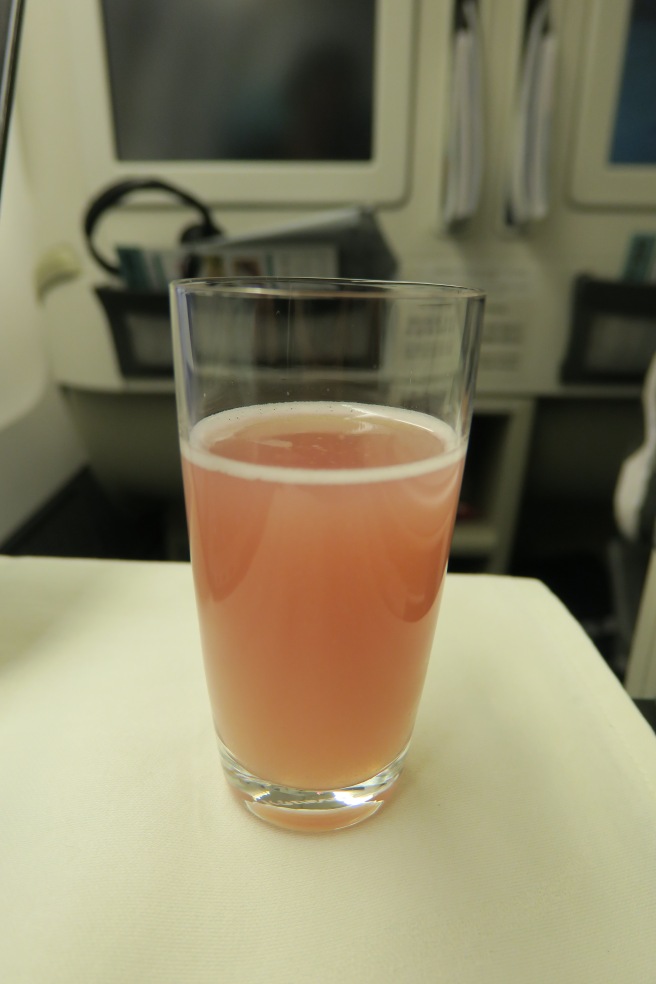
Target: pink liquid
(319,540)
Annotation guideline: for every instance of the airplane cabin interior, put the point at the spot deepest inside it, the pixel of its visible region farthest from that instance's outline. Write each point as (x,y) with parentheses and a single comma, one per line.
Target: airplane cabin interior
(503,144)
(371,731)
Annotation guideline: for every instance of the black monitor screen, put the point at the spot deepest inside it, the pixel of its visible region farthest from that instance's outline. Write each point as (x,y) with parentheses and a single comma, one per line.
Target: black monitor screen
(634,138)
(251,80)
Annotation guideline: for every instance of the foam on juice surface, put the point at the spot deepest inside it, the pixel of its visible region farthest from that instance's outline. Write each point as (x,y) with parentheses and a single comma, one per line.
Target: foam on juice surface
(211,441)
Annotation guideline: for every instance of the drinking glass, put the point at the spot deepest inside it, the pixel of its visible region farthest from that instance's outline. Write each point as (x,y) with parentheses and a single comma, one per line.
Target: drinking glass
(323,429)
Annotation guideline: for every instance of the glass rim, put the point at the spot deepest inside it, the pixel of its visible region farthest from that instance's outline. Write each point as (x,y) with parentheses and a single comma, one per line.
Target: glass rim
(324,288)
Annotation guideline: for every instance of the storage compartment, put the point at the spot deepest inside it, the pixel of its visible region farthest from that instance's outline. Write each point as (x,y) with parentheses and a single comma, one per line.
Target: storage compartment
(492,484)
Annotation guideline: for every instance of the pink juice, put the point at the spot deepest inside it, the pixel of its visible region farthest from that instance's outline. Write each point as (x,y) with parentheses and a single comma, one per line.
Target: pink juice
(319,540)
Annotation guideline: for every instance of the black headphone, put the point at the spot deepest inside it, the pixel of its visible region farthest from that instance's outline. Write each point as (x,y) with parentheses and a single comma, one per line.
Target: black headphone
(115,193)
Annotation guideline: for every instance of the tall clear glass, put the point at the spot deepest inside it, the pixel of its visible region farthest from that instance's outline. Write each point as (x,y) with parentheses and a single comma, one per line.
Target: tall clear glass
(323,429)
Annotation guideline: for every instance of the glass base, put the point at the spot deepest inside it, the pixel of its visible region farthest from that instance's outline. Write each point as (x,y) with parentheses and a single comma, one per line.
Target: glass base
(310,809)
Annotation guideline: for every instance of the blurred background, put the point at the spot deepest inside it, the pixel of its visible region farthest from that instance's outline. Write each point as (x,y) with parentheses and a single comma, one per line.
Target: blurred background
(502,144)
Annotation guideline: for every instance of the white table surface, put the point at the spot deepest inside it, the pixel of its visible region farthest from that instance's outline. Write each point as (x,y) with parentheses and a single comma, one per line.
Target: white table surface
(521,847)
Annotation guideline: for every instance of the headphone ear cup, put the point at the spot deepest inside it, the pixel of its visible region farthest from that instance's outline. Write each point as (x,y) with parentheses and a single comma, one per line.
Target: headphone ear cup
(195,233)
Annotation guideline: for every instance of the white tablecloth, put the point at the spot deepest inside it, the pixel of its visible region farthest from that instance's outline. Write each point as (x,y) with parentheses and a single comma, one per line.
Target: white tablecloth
(521,847)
